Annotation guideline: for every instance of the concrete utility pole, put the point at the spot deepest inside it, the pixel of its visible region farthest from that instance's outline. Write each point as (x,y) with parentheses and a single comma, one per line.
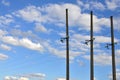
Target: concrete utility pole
(113,50)
(67,47)
(91,48)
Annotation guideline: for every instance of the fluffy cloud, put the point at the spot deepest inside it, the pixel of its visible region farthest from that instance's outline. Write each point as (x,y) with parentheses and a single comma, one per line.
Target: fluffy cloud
(104,39)
(98,39)
(77,44)
(101,59)
(118,53)
(2,33)
(40,28)
(80,62)
(91,5)
(36,75)
(97,5)
(20,33)
(104,58)
(117,75)
(3,56)
(31,14)
(5,47)
(23,78)
(15,78)
(30,45)
(61,79)
(26,76)
(10,40)
(25,42)
(10,78)
(78,41)
(55,14)
(5,20)
(112,4)
(6,3)
(76,17)
(62,53)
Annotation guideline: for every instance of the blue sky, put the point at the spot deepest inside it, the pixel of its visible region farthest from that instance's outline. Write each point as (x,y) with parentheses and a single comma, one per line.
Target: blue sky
(30,32)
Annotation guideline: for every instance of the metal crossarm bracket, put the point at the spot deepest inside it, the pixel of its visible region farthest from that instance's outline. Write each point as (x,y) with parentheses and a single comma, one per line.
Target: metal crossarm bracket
(87,41)
(64,38)
(108,45)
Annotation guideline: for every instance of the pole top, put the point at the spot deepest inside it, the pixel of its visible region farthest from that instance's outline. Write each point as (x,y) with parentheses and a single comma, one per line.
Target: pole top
(111,16)
(91,12)
(66,9)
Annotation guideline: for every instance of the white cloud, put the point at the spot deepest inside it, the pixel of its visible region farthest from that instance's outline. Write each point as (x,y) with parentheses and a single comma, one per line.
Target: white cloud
(104,39)
(6,3)
(5,47)
(100,59)
(118,53)
(61,52)
(2,33)
(36,75)
(104,58)
(55,14)
(39,76)
(30,13)
(61,79)
(30,45)
(40,28)
(95,78)
(98,39)
(80,62)
(22,42)
(20,33)
(6,20)
(81,37)
(10,78)
(76,17)
(116,22)
(77,48)
(3,56)
(10,40)
(91,5)
(117,75)
(15,78)
(77,44)
(59,13)
(112,4)
(23,78)
(97,5)
(84,5)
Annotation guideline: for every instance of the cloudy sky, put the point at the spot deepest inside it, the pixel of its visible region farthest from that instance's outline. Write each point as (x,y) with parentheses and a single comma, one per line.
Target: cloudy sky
(30,32)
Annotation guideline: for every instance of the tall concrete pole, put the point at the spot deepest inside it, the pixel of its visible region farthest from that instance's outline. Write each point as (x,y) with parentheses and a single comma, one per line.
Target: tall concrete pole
(113,50)
(91,48)
(67,47)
